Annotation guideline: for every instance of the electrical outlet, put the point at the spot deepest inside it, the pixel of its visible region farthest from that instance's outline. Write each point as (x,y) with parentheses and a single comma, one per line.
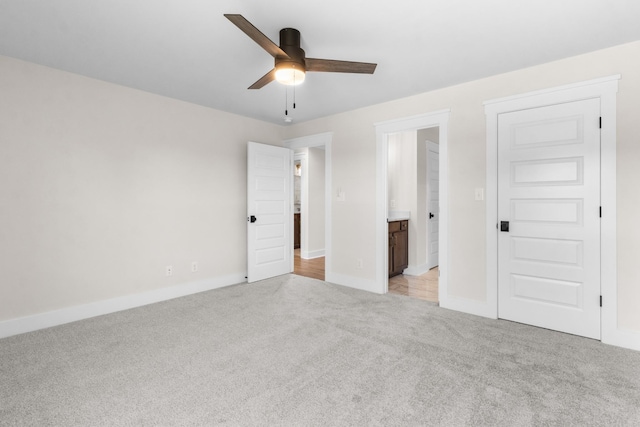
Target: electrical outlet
(169,270)
(194,266)
(393,203)
(359,263)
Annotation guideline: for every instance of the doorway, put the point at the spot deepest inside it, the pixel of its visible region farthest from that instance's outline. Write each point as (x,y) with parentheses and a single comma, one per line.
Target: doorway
(413,206)
(439,121)
(312,204)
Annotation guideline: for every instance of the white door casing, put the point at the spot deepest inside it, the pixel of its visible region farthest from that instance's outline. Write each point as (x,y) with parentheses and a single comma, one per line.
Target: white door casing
(269,211)
(433,203)
(438,119)
(605,89)
(322,140)
(549,192)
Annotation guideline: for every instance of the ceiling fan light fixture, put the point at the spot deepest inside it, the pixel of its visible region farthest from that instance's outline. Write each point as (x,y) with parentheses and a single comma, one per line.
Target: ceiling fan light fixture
(290,74)
(291,63)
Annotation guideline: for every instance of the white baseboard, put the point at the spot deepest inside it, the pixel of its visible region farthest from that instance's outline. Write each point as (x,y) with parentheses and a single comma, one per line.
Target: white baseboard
(417,270)
(353,282)
(479,308)
(618,337)
(85,311)
(623,338)
(312,254)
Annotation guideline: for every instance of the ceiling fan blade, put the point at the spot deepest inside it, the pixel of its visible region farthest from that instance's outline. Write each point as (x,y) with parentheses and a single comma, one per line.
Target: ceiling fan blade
(333,66)
(264,80)
(256,35)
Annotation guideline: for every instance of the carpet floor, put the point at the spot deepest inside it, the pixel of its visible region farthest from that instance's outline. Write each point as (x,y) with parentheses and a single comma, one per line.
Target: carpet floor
(298,351)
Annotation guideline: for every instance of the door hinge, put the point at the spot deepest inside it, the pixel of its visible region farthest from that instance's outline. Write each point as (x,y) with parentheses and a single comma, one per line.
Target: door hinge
(600,211)
(600,123)
(600,300)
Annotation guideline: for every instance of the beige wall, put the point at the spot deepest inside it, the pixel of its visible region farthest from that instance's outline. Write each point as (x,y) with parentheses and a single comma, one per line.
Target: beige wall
(102,186)
(354,138)
(316,170)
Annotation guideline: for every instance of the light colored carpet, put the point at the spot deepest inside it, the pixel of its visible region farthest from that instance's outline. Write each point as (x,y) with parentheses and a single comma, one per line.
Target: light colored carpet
(297,351)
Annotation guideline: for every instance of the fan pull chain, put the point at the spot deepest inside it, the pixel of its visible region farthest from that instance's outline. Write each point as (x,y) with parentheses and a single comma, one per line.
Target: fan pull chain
(286,103)
(294,91)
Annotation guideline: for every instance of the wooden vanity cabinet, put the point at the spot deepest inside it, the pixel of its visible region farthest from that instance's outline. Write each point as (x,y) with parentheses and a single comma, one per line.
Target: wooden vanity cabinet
(296,230)
(398,247)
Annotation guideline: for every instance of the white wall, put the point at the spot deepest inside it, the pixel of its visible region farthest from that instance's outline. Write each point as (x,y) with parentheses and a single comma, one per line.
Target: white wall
(429,134)
(354,227)
(315,227)
(401,177)
(102,186)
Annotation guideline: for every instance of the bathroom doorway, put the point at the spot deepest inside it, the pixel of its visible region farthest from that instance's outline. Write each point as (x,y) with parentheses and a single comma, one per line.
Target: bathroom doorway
(413,199)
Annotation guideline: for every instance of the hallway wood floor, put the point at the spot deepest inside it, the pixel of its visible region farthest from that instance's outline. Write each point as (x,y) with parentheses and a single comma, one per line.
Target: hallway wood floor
(423,287)
(313,268)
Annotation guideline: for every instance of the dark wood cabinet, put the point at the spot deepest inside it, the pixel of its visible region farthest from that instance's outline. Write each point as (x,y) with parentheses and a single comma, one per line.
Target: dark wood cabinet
(296,231)
(398,247)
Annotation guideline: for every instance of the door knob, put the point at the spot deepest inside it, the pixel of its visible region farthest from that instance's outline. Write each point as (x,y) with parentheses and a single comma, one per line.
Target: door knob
(252,219)
(431,215)
(504,226)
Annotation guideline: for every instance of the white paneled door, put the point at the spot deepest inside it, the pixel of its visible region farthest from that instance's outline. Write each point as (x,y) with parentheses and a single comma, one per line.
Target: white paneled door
(433,201)
(269,211)
(549,213)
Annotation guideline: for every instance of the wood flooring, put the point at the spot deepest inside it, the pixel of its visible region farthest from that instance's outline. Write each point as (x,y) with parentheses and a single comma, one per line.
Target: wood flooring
(313,268)
(423,287)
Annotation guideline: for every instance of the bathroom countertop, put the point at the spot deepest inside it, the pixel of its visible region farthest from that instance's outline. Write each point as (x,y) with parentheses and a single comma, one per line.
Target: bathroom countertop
(398,216)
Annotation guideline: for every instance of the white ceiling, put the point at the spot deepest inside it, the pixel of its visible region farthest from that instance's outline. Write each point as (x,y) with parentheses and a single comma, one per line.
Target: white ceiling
(186,49)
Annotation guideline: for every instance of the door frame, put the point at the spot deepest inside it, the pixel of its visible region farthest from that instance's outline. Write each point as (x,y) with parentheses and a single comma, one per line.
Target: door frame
(319,140)
(605,89)
(438,119)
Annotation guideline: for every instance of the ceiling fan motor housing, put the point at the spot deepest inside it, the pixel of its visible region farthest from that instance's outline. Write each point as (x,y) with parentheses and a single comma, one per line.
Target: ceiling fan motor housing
(290,43)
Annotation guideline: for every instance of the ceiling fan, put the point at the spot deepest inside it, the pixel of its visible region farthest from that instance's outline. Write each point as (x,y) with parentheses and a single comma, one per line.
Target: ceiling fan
(290,62)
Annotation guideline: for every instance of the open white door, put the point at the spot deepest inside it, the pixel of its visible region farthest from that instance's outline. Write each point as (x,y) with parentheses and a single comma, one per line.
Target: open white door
(269,211)
(433,203)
